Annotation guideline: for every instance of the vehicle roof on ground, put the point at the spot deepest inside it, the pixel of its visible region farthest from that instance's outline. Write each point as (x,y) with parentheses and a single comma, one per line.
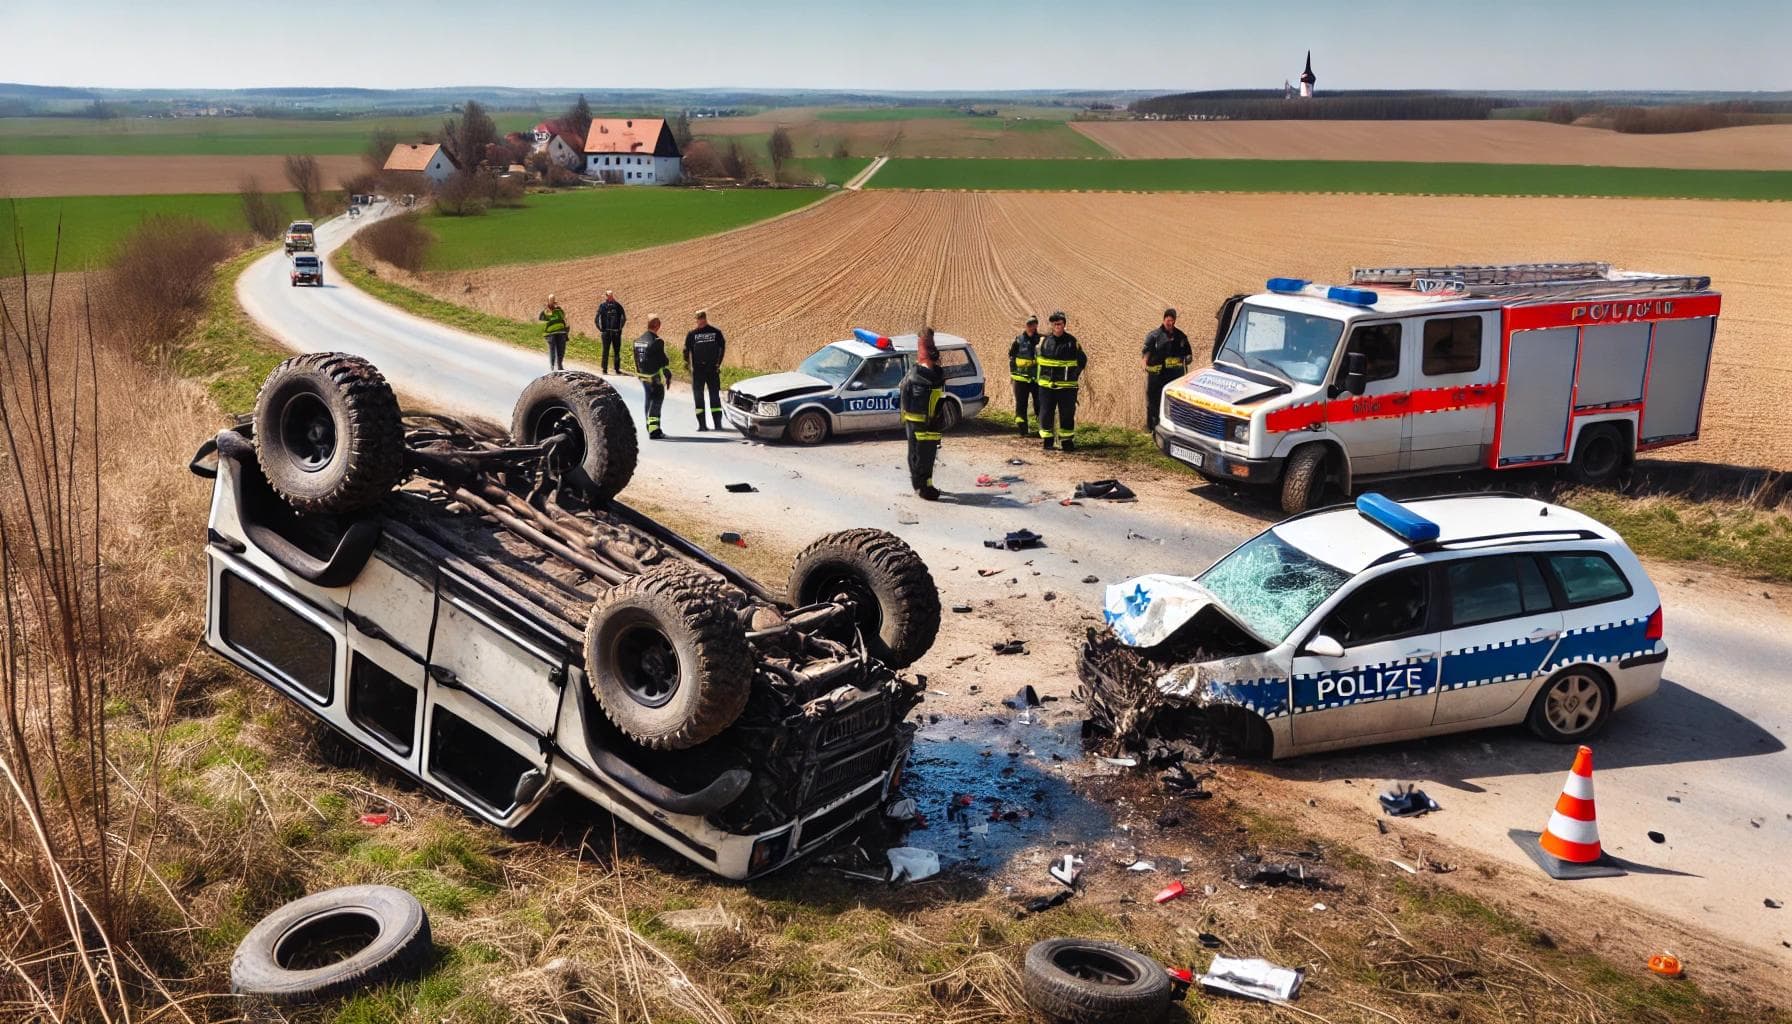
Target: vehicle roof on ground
(1347,539)
(899,343)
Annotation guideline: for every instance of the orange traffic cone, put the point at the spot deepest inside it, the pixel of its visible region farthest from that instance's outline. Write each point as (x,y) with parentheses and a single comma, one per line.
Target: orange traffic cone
(1568,847)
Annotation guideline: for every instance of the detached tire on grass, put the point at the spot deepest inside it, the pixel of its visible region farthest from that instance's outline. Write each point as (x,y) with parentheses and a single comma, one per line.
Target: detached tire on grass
(599,455)
(667,658)
(332,944)
(1083,981)
(327,433)
(898,603)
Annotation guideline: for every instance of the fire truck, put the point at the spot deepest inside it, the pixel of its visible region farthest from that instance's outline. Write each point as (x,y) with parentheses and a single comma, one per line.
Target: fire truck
(1412,370)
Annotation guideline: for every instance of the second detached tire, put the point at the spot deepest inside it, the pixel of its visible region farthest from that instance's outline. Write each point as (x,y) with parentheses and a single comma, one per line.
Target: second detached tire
(331,944)
(1083,981)
(599,455)
(667,659)
(897,600)
(327,433)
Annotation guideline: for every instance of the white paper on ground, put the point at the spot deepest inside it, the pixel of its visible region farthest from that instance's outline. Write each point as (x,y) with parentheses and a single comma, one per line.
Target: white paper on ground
(1253,979)
(911,863)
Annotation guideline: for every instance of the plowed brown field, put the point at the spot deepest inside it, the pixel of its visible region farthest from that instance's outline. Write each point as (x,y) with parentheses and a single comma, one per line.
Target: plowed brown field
(976,263)
(1765,147)
(23,176)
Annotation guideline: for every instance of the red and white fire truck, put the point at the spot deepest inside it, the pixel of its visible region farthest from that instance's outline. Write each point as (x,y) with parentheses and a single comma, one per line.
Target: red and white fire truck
(1410,370)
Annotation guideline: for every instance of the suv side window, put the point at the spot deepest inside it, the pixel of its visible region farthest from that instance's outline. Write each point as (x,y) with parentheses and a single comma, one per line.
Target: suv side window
(1452,345)
(1587,577)
(1501,587)
(956,362)
(1380,346)
(1385,608)
(883,374)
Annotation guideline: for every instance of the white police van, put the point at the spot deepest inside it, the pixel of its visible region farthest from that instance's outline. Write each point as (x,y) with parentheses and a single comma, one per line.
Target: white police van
(1386,621)
(851,386)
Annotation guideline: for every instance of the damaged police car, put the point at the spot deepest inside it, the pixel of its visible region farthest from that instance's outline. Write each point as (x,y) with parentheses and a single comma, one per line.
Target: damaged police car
(1381,621)
(852,386)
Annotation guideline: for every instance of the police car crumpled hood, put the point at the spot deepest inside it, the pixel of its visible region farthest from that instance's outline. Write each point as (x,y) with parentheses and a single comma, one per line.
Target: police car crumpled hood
(774,386)
(1150,610)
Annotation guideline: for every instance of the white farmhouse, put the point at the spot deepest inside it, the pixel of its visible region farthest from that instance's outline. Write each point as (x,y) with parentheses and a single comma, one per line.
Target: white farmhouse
(562,145)
(427,159)
(632,151)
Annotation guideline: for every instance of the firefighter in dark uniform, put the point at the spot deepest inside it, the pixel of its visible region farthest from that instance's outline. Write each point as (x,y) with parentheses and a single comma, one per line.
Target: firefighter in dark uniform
(655,373)
(1060,363)
(1166,356)
(704,348)
(610,319)
(922,389)
(1020,367)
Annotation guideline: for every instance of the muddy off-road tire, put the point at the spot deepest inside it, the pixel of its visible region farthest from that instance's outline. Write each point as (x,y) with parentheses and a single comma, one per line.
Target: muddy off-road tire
(327,433)
(667,659)
(331,944)
(599,456)
(897,601)
(1303,479)
(1083,981)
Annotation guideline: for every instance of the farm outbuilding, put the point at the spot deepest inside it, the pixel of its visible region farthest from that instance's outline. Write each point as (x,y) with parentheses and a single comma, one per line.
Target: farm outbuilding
(632,151)
(428,159)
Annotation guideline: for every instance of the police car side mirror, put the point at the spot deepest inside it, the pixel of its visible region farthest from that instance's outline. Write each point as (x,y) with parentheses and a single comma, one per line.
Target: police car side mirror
(857,385)
(1323,646)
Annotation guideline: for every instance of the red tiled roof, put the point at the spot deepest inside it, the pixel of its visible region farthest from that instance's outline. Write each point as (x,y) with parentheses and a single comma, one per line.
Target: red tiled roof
(643,135)
(413,156)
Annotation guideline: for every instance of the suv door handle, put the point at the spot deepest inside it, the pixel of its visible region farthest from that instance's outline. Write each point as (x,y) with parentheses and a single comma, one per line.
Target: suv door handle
(1421,653)
(1543,634)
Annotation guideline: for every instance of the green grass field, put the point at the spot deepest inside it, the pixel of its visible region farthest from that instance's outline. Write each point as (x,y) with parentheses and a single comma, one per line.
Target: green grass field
(92,226)
(834,170)
(1332,176)
(885,113)
(219,136)
(592,222)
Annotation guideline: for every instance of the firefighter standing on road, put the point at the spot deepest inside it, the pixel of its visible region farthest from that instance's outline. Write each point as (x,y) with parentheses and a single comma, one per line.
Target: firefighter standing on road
(1021,353)
(704,347)
(1166,355)
(1060,362)
(610,318)
(922,388)
(655,373)
(553,329)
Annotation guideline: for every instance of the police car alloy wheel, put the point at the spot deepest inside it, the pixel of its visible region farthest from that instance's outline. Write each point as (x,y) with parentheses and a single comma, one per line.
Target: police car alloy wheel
(1571,706)
(809,428)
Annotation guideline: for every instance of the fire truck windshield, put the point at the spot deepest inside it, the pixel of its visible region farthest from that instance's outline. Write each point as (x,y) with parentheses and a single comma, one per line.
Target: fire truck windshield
(1294,346)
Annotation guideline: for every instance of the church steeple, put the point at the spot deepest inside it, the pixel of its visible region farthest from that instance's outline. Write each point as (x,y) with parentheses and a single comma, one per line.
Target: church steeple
(1307,78)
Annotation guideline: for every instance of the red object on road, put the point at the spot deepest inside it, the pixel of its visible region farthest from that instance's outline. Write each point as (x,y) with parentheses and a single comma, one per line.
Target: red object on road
(1169,892)
(375,819)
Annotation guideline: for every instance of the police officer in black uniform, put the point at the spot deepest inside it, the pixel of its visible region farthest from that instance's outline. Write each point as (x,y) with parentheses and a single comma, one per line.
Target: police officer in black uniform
(704,347)
(655,373)
(922,389)
(1166,356)
(1020,367)
(610,319)
(1060,361)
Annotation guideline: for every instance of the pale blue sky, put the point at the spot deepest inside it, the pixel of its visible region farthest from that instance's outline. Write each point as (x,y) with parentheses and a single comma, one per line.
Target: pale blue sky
(913,44)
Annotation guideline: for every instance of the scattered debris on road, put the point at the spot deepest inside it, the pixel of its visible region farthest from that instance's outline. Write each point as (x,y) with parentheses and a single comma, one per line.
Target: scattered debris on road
(1253,979)
(1010,647)
(1657,837)
(1067,870)
(912,863)
(1406,800)
(730,537)
(1169,892)
(1107,490)
(1025,697)
(700,921)
(1016,540)
(742,488)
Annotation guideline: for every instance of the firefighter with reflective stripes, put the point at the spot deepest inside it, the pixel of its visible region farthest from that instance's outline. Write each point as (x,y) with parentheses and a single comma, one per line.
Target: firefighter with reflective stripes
(922,389)
(704,347)
(1020,367)
(1166,357)
(655,373)
(1060,364)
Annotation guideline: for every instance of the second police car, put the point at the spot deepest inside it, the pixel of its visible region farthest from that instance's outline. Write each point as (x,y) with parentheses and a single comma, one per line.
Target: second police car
(850,386)
(1387,621)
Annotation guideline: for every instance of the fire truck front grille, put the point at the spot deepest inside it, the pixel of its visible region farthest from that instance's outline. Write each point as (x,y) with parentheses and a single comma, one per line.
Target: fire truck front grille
(1194,418)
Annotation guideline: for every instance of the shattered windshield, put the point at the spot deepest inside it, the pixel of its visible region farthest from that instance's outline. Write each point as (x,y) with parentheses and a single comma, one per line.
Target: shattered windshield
(831,364)
(1293,346)
(1271,586)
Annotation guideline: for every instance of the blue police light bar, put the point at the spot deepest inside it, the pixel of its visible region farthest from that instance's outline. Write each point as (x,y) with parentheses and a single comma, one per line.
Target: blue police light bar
(870,337)
(1288,285)
(1397,519)
(1351,296)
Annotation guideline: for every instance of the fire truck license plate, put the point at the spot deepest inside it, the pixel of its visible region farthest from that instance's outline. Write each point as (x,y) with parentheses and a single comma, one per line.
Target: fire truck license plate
(1188,455)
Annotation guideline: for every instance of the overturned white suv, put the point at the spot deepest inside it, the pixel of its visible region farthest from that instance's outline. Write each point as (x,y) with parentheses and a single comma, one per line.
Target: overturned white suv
(499,626)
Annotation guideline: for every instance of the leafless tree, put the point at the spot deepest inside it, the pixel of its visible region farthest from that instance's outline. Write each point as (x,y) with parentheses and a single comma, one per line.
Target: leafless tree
(261,213)
(307,179)
(781,149)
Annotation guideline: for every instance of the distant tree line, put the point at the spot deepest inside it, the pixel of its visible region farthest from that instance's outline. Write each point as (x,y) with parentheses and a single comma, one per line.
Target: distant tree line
(1363,105)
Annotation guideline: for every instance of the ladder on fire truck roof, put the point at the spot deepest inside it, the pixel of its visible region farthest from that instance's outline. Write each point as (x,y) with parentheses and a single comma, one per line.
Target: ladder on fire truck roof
(1531,280)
